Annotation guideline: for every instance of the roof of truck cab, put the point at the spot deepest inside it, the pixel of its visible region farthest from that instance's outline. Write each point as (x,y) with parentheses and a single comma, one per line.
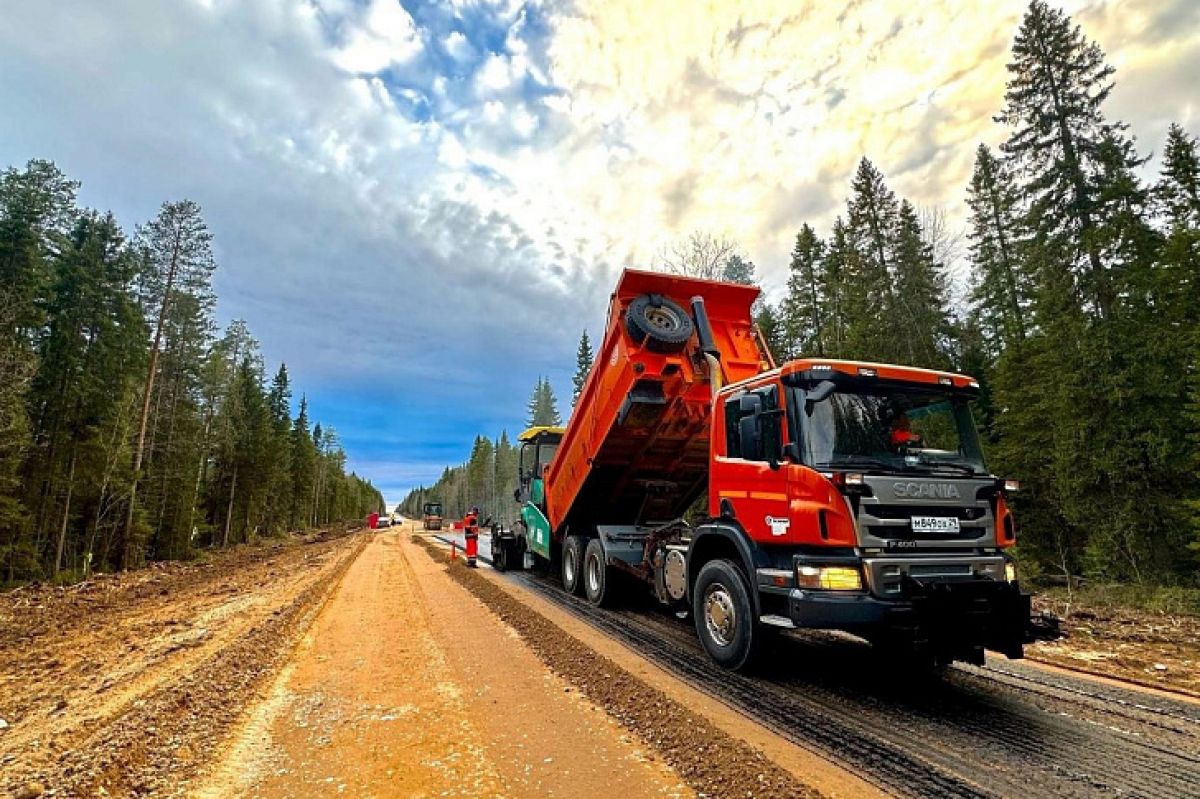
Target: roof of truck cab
(534,432)
(890,371)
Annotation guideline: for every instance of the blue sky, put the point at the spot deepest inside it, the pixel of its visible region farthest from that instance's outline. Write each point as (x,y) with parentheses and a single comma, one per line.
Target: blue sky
(419,206)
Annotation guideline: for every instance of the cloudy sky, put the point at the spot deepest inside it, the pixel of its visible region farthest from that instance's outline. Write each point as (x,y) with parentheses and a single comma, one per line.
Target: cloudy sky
(419,206)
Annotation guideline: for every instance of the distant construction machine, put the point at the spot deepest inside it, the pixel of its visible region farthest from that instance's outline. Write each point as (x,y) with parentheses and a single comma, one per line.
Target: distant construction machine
(432,516)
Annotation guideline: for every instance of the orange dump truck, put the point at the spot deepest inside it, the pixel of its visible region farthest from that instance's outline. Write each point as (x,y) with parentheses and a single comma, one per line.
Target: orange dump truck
(840,495)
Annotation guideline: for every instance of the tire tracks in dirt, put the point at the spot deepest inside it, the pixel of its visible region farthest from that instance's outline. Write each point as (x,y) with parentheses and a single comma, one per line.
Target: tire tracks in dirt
(708,759)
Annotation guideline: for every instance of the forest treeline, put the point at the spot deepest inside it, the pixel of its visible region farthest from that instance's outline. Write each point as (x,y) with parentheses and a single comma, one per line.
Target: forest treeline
(487,479)
(131,429)
(1082,317)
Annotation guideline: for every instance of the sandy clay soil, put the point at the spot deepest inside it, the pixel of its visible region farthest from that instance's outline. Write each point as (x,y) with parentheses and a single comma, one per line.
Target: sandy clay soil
(126,685)
(366,665)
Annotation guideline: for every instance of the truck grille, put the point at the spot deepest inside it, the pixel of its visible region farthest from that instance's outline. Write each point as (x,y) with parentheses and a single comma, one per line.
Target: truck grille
(889,511)
(885,516)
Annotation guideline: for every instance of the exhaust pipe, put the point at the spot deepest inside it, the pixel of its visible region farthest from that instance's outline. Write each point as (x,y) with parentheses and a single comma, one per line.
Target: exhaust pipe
(704,329)
(712,355)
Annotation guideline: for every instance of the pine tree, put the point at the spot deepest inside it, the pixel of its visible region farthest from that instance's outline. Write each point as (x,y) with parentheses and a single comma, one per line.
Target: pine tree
(803,308)
(1001,292)
(178,253)
(583,364)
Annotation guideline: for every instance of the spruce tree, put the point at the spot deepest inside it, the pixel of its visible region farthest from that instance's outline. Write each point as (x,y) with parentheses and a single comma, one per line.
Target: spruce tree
(872,323)
(1178,190)
(542,408)
(838,279)
(738,270)
(770,324)
(583,364)
(1058,83)
(920,294)
(1001,291)
(303,469)
(803,307)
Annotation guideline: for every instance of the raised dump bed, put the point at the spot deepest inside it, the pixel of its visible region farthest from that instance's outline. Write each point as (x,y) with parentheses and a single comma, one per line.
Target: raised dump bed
(637,446)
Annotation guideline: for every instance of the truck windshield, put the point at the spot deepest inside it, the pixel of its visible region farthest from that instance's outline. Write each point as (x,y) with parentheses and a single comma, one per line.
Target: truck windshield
(892,430)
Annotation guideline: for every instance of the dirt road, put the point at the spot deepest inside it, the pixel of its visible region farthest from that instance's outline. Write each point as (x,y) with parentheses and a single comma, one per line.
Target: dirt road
(406,686)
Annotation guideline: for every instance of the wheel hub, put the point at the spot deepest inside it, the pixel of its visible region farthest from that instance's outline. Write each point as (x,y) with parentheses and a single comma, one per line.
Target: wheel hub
(661,318)
(719,614)
(593,575)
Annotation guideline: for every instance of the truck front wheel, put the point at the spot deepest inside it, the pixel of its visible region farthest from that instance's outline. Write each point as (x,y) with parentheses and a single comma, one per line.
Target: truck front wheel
(572,564)
(597,582)
(724,615)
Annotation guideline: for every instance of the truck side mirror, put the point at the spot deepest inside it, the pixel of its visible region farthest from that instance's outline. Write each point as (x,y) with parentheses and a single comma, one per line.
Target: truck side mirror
(818,394)
(751,441)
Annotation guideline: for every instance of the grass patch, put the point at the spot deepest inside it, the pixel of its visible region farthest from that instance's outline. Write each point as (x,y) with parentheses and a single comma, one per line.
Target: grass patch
(1168,600)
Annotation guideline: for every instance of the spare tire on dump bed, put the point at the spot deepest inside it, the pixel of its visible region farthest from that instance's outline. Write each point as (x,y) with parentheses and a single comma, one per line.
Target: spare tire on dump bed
(661,324)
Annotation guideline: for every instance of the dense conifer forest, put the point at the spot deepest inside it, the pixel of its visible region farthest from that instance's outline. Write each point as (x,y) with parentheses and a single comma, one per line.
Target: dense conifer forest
(131,429)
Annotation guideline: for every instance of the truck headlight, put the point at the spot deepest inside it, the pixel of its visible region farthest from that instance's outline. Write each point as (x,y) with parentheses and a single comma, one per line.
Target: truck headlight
(1010,571)
(829,578)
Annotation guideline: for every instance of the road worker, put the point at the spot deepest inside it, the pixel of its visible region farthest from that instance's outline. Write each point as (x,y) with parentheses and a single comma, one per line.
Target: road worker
(471,533)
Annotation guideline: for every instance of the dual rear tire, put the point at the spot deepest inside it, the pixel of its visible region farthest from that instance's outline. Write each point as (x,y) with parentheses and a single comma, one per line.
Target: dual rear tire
(585,570)
(572,564)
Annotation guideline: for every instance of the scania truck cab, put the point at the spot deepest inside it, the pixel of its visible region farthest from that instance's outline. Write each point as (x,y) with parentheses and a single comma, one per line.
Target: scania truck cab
(863,492)
(839,495)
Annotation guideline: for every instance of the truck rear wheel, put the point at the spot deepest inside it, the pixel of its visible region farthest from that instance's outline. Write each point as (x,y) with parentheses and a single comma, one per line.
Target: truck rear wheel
(597,582)
(660,323)
(572,564)
(501,548)
(724,614)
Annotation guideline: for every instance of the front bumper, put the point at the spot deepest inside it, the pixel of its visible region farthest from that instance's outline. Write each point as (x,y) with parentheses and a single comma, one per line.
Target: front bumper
(955,613)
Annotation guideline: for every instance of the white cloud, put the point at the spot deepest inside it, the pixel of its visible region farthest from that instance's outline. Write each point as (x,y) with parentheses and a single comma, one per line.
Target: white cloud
(458,47)
(383,34)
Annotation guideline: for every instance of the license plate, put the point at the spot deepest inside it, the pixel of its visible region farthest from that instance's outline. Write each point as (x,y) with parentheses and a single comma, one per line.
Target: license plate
(935,524)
